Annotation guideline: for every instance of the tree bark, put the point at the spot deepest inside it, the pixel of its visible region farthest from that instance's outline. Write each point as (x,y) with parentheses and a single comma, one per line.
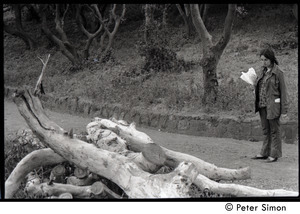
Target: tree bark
(18,30)
(211,52)
(135,182)
(90,36)
(111,34)
(108,140)
(30,162)
(137,141)
(119,166)
(206,170)
(58,174)
(36,189)
(295,11)
(42,157)
(148,22)
(186,15)
(80,173)
(81,181)
(65,47)
(204,9)
(236,190)
(29,42)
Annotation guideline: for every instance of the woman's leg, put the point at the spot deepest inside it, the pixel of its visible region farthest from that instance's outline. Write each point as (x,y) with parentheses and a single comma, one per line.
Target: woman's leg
(276,145)
(266,147)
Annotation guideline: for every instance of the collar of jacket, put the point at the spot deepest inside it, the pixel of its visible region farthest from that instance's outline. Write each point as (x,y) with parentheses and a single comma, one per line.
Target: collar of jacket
(274,70)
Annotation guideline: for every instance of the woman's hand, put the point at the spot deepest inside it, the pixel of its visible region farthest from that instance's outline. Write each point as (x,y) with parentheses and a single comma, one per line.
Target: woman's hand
(283,119)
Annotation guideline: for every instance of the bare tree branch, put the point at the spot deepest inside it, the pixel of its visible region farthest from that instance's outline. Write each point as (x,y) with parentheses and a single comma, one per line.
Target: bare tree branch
(30,162)
(39,86)
(90,36)
(200,27)
(228,24)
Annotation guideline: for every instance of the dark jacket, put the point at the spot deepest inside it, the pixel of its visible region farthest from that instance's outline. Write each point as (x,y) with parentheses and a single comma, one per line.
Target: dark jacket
(275,88)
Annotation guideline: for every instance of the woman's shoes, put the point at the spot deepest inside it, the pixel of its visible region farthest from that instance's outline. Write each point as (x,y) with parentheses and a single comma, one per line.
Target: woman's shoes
(271,160)
(257,157)
(268,159)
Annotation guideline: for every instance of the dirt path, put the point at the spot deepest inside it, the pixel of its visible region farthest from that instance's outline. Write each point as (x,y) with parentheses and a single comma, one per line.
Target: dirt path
(222,152)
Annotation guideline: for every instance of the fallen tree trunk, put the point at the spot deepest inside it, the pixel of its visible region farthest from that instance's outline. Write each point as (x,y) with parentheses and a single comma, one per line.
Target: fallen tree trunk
(47,156)
(36,189)
(30,162)
(108,140)
(135,182)
(138,141)
(123,167)
(238,190)
(80,181)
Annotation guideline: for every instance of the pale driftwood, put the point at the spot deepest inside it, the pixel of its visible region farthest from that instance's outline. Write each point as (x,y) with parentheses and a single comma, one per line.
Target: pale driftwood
(80,173)
(30,162)
(206,169)
(137,140)
(39,86)
(239,190)
(62,196)
(58,174)
(108,140)
(105,139)
(55,189)
(67,191)
(89,180)
(121,169)
(135,182)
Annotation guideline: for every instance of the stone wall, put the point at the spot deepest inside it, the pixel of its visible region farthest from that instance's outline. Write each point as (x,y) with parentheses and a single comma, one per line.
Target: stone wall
(198,125)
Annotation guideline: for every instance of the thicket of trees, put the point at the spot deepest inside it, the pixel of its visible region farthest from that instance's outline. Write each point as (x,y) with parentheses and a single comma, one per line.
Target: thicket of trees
(102,21)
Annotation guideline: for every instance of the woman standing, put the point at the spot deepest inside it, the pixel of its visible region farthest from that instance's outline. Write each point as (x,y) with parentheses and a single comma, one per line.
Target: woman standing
(271,103)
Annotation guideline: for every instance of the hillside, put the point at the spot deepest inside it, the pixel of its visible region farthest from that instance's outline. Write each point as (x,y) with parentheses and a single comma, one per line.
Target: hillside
(164,92)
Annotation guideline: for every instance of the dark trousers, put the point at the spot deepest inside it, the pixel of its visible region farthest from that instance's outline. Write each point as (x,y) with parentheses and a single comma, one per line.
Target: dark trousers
(272,139)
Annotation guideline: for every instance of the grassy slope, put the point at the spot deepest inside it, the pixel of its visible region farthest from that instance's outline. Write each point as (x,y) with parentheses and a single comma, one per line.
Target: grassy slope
(165,92)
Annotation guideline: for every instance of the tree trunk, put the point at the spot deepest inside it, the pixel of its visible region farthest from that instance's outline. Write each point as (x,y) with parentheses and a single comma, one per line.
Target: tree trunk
(90,36)
(203,11)
(212,52)
(186,15)
(32,161)
(137,141)
(18,15)
(295,11)
(18,30)
(116,166)
(58,174)
(81,181)
(236,190)
(29,42)
(209,66)
(148,22)
(36,189)
(65,47)
(108,140)
(121,170)
(117,20)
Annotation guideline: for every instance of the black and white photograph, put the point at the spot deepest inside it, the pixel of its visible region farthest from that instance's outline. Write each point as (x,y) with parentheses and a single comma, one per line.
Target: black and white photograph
(113,102)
